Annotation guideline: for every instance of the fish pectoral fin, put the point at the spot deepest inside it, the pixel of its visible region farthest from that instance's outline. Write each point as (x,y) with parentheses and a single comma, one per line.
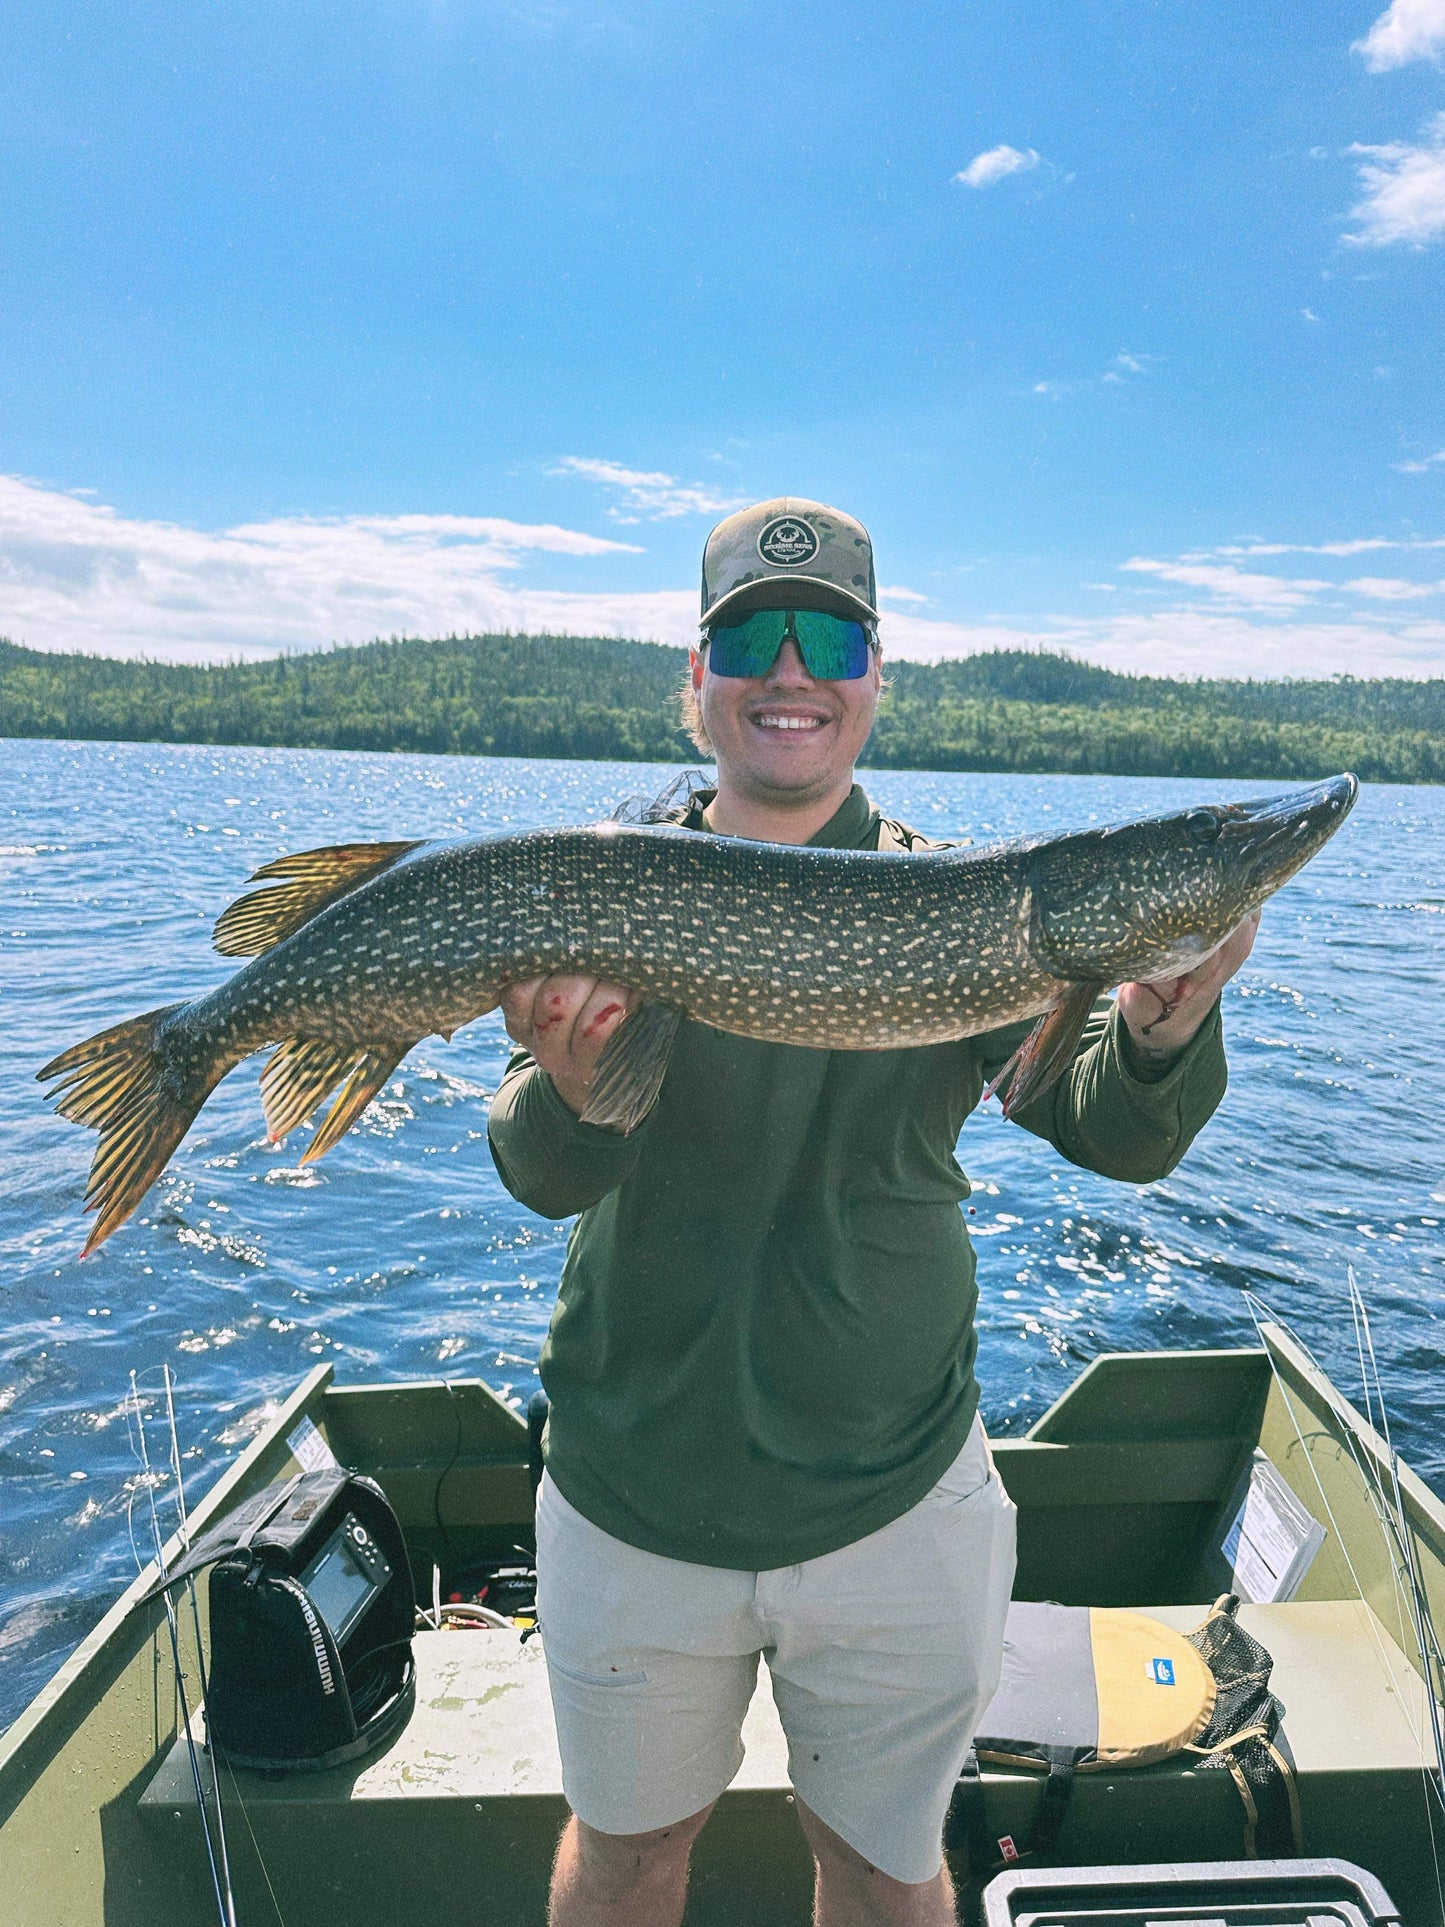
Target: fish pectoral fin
(300,886)
(631,1068)
(1049,1046)
(306,1070)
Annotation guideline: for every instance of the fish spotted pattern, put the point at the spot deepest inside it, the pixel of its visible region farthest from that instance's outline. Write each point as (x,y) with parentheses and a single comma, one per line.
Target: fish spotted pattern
(359,952)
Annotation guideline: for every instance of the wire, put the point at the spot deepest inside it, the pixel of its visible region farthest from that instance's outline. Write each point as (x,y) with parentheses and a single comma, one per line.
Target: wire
(436,1497)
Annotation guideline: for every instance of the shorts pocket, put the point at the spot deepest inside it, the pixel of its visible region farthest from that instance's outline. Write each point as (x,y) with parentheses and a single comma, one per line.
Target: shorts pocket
(970,1472)
(597,1675)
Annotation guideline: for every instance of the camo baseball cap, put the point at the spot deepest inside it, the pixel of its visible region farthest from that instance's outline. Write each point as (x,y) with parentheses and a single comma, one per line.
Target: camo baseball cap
(788,554)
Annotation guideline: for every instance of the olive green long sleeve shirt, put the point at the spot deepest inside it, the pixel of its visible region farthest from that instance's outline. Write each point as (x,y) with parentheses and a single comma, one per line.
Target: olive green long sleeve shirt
(763,1345)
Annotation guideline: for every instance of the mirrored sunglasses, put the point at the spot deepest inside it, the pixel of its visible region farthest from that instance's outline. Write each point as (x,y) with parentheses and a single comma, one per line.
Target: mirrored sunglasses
(833,648)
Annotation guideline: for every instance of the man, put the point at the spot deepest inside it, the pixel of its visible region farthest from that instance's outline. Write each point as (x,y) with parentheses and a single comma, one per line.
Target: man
(764,1435)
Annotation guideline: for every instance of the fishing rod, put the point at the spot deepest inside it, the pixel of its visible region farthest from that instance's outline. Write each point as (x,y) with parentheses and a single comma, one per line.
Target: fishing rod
(1370,1479)
(221,1883)
(1427,1639)
(200,1647)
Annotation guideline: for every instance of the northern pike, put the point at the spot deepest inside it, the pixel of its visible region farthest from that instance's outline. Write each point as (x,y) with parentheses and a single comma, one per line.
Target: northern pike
(360,951)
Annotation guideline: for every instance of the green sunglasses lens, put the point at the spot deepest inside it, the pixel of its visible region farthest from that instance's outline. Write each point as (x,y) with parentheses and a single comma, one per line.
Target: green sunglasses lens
(833,648)
(749,647)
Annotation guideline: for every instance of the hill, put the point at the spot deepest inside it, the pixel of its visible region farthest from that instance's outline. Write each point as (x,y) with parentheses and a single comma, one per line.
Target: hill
(572,696)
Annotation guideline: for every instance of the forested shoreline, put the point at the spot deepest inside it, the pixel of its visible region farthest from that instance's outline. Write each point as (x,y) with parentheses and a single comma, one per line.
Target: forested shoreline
(568,696)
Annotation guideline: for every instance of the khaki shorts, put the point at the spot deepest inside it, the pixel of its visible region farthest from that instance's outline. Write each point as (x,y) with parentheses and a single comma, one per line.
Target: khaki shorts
(883,1655)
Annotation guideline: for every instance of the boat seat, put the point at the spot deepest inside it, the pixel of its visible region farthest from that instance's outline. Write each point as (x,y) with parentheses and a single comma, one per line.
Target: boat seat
(476,1769)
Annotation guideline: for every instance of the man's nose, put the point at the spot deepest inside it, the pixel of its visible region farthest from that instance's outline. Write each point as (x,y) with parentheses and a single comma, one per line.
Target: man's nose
(788,666)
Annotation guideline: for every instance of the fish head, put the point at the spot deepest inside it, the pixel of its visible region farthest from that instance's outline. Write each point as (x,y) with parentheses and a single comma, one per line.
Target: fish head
(1153,899)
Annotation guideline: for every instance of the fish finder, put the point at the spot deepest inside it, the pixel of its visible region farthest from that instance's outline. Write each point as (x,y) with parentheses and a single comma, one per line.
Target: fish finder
(312,1615)
(348,1573)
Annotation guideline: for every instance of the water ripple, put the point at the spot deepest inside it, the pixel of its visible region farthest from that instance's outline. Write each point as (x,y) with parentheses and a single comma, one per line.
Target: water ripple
(403,1257)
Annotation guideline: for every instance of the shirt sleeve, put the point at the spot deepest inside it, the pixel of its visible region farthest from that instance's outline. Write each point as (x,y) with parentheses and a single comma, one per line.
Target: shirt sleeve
(1115,1112)
(546,1156)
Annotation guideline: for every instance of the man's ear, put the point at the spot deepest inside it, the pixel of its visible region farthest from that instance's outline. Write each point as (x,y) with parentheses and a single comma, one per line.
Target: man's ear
(696,669)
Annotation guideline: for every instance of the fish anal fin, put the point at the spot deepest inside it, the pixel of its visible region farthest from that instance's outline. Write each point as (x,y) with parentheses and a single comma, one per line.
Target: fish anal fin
(369,1073)
(299,887)
(297,1077)
(631,1068)
(305,1071)
(1047,1049)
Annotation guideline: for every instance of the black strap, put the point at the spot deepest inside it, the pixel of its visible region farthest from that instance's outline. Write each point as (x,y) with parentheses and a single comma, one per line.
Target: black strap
(966,1827)
(537,1410)
(1054,1804)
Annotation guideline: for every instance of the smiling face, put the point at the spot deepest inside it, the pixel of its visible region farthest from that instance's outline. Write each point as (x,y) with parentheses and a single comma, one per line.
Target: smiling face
(786,740)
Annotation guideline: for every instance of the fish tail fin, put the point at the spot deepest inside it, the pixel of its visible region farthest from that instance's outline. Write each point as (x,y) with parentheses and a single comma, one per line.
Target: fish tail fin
(306,1070)
(142,1096)
(1049,1046)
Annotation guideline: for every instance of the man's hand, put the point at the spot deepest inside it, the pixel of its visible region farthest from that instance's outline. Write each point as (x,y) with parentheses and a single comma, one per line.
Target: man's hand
(564,1022)
(1163,1016)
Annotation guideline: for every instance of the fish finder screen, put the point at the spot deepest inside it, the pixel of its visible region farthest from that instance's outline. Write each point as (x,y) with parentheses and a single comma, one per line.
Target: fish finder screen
(338,1585)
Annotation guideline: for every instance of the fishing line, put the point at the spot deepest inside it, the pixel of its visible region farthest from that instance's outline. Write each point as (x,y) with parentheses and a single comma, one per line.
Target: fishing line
(1254,1300)
(255,1843)
(218,1758)
(1420,1599)
(1425,1635)
(200,1646)
(1428,1786)
(225,1901)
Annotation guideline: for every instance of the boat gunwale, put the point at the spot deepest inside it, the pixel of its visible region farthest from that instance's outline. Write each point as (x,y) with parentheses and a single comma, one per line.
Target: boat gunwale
(42,1724)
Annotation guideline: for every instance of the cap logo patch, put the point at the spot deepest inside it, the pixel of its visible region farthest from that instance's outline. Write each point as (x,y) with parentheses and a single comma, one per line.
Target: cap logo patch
(787,542)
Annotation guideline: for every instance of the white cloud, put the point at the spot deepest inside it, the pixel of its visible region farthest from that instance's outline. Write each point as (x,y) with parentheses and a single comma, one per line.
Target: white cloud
(996,165)
(1423,466)
(1233,585)
(76,574)
(1359,546)
(1189,643)
(649,496)
(1390,588)
(1404,186)
(1407,30)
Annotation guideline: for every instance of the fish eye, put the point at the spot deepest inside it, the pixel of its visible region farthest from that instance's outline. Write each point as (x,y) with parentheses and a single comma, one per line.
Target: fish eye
(1202,825)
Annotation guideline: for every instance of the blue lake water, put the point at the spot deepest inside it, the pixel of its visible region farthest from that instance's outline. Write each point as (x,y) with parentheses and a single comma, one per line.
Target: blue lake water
(401,1256)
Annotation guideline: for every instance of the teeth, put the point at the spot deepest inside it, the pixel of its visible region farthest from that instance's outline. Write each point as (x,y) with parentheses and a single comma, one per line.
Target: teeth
(786,722)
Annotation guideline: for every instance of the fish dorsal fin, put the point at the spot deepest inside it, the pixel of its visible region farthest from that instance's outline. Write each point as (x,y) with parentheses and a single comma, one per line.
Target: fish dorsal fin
(303,884)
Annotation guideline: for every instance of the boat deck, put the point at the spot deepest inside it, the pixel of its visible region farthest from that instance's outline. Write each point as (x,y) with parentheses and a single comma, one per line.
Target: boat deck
(1126,1489)
(476,1775)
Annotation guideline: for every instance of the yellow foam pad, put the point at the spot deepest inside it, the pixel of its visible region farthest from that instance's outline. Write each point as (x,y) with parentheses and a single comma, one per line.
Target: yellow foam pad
(1155,1692)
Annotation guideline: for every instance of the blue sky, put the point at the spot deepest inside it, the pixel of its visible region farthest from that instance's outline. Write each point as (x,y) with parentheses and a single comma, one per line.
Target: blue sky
(1118,323)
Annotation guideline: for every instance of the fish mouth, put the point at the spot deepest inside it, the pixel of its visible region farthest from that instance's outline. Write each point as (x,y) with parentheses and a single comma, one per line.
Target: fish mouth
(1276,835)
(1150,900)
